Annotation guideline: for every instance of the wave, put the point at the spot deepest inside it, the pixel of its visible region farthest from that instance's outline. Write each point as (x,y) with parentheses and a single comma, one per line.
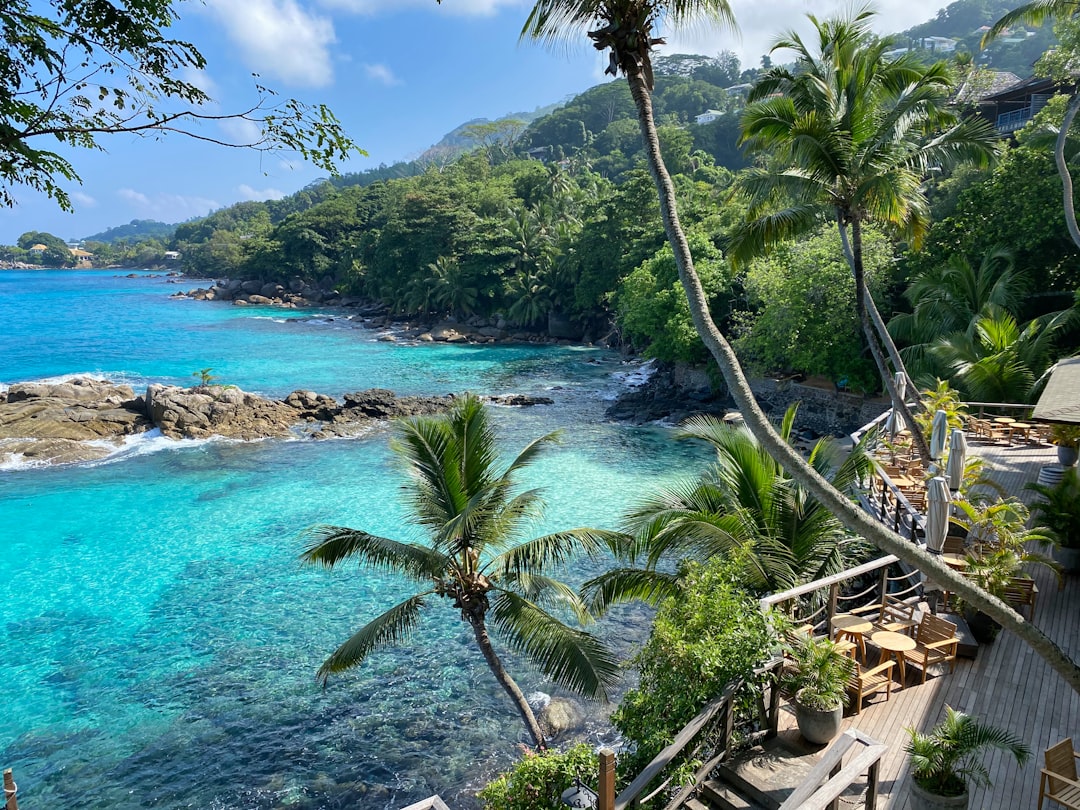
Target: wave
(637,375)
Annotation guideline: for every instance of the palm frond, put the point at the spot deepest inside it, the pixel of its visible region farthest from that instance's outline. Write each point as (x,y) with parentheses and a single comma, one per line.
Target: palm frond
(331,545)
(387,630)
(572,658)
(620,585)
(559,548)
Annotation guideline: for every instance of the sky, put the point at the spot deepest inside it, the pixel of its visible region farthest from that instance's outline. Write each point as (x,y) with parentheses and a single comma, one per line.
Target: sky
(399,74)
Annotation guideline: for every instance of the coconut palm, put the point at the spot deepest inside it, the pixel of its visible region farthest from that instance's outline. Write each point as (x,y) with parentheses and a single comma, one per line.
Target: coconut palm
(475,560)
(853,134)
(1036,13)
(626,27)
(747,507)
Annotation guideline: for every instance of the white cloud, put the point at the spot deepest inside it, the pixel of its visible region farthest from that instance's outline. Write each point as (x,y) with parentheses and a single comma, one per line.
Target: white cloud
(83,199)
(381,74)
(199,78)
(761,23)
(469,8)
(241,130)
(279,38)
(167,207)
(249,193)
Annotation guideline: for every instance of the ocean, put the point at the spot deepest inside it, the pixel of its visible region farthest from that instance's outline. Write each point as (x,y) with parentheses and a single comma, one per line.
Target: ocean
(158,638)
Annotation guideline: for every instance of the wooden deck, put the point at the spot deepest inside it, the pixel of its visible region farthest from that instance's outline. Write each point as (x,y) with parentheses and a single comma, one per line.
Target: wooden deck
(1006,685)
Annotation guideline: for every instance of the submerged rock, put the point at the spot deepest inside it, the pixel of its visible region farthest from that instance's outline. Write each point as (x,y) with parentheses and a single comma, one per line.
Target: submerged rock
(382,403)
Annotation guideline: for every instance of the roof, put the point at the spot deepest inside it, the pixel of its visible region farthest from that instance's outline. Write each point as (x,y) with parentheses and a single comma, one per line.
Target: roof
(39,246)
(1060,400)
(986,83)
(79,253)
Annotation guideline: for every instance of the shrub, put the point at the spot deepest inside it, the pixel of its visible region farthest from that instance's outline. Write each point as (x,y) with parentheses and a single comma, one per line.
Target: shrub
(711,634)
(537,781)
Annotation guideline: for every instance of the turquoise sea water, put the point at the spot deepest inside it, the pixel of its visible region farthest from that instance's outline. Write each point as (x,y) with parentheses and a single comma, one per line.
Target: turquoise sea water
(158,640)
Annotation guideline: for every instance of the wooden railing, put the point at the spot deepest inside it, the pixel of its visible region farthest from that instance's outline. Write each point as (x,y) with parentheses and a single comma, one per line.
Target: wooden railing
(725,702)
(830,777)
(815,603)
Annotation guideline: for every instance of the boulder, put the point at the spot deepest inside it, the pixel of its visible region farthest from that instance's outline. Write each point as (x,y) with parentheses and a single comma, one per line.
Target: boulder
(272,290)
(50,451)
(214,410)
(250,287)
(310,405)
(259,300)
(559,716)
(81,409)
(381,403)
(520,400)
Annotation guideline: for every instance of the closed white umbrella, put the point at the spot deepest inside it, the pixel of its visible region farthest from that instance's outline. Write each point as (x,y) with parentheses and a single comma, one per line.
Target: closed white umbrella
(954,468)
(901,384)
(938,435)
(937,512)
(892,422)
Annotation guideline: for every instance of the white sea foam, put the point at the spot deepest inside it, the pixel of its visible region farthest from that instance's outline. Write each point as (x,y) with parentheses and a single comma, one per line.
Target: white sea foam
(636,375)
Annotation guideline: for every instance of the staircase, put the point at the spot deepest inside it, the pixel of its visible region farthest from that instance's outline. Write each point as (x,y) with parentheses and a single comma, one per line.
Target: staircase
(784,774)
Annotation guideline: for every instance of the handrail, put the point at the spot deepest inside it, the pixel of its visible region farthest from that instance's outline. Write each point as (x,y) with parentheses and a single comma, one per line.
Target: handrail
(629,796)
(827,781)
(826,582)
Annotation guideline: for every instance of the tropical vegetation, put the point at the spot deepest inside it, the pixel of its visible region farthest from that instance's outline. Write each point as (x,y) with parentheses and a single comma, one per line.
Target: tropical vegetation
(476,561)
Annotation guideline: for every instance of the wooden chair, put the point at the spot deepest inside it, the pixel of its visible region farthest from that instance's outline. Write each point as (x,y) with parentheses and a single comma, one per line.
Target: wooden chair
(1021,592)
(896,616)
(954,545)
(866,682)
(1057,781)
(935,643)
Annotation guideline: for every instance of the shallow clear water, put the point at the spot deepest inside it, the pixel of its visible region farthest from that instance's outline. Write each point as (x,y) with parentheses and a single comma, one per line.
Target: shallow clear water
(158,640)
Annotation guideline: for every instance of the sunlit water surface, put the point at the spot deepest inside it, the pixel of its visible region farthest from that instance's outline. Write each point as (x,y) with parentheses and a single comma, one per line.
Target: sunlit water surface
(158,639)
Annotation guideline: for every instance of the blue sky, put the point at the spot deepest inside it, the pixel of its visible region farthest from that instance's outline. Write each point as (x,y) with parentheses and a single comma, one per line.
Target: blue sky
(398,73)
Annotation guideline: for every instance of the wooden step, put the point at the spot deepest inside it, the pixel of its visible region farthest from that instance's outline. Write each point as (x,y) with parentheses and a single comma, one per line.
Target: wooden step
(720,796)
(767,774)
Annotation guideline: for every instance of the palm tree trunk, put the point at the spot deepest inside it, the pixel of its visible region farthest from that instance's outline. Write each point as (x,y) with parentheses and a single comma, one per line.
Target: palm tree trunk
(483,641)
(1063,167)
(853,251)
(849,514)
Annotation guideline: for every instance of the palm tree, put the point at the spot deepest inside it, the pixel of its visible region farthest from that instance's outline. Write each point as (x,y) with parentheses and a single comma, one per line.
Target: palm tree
(626,27)
(949,298)
(1037,13)
(475,559)
(855,134)
(746,507)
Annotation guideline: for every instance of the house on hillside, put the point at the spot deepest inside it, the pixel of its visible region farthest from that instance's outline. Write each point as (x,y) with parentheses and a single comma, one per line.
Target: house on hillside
(1009,108)
(83,258)
(708,117)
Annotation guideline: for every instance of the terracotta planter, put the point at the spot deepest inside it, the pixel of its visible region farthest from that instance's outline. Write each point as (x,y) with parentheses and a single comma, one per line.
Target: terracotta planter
(919,799)
(818,726)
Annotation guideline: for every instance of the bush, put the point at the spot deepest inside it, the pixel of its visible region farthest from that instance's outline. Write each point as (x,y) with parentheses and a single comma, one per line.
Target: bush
(537,781)
(711,634)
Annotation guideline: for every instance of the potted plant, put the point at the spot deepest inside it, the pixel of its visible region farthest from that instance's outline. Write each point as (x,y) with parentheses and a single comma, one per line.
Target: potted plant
(999,536)
(947,761)
(817,678)
(1058,509)
(1067,439)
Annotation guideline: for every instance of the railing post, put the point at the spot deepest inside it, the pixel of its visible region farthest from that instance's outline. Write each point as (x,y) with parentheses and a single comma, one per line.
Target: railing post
(835,803)
(10,791)
(834,592)
(872,786)
(884,585)
(729,726)
(606,792)
(774,702)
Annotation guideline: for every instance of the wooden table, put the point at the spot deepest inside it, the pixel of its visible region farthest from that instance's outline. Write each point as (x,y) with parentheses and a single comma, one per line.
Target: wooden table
(1004,420)
(853,627)
(1023,428)
(957,561)
(893,644)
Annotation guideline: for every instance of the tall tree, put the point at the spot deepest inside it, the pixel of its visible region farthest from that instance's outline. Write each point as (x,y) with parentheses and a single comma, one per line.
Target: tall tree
(851,135)
(626,27)
(74,70)
(476,559)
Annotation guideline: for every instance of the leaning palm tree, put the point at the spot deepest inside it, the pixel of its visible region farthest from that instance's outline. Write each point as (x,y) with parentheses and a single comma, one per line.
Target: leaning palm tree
(626,27)
(745,507)
(851,135)
(475,560)
(1036,13)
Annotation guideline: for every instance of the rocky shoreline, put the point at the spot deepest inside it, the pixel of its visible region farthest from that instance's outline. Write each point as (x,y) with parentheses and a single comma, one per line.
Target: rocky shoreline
(85,419)
(298,294)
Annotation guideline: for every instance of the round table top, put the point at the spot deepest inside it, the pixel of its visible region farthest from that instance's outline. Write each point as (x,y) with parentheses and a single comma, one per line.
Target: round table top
(894,642)
(850,623)
(1004,420)
(958,560)
(1023,425)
